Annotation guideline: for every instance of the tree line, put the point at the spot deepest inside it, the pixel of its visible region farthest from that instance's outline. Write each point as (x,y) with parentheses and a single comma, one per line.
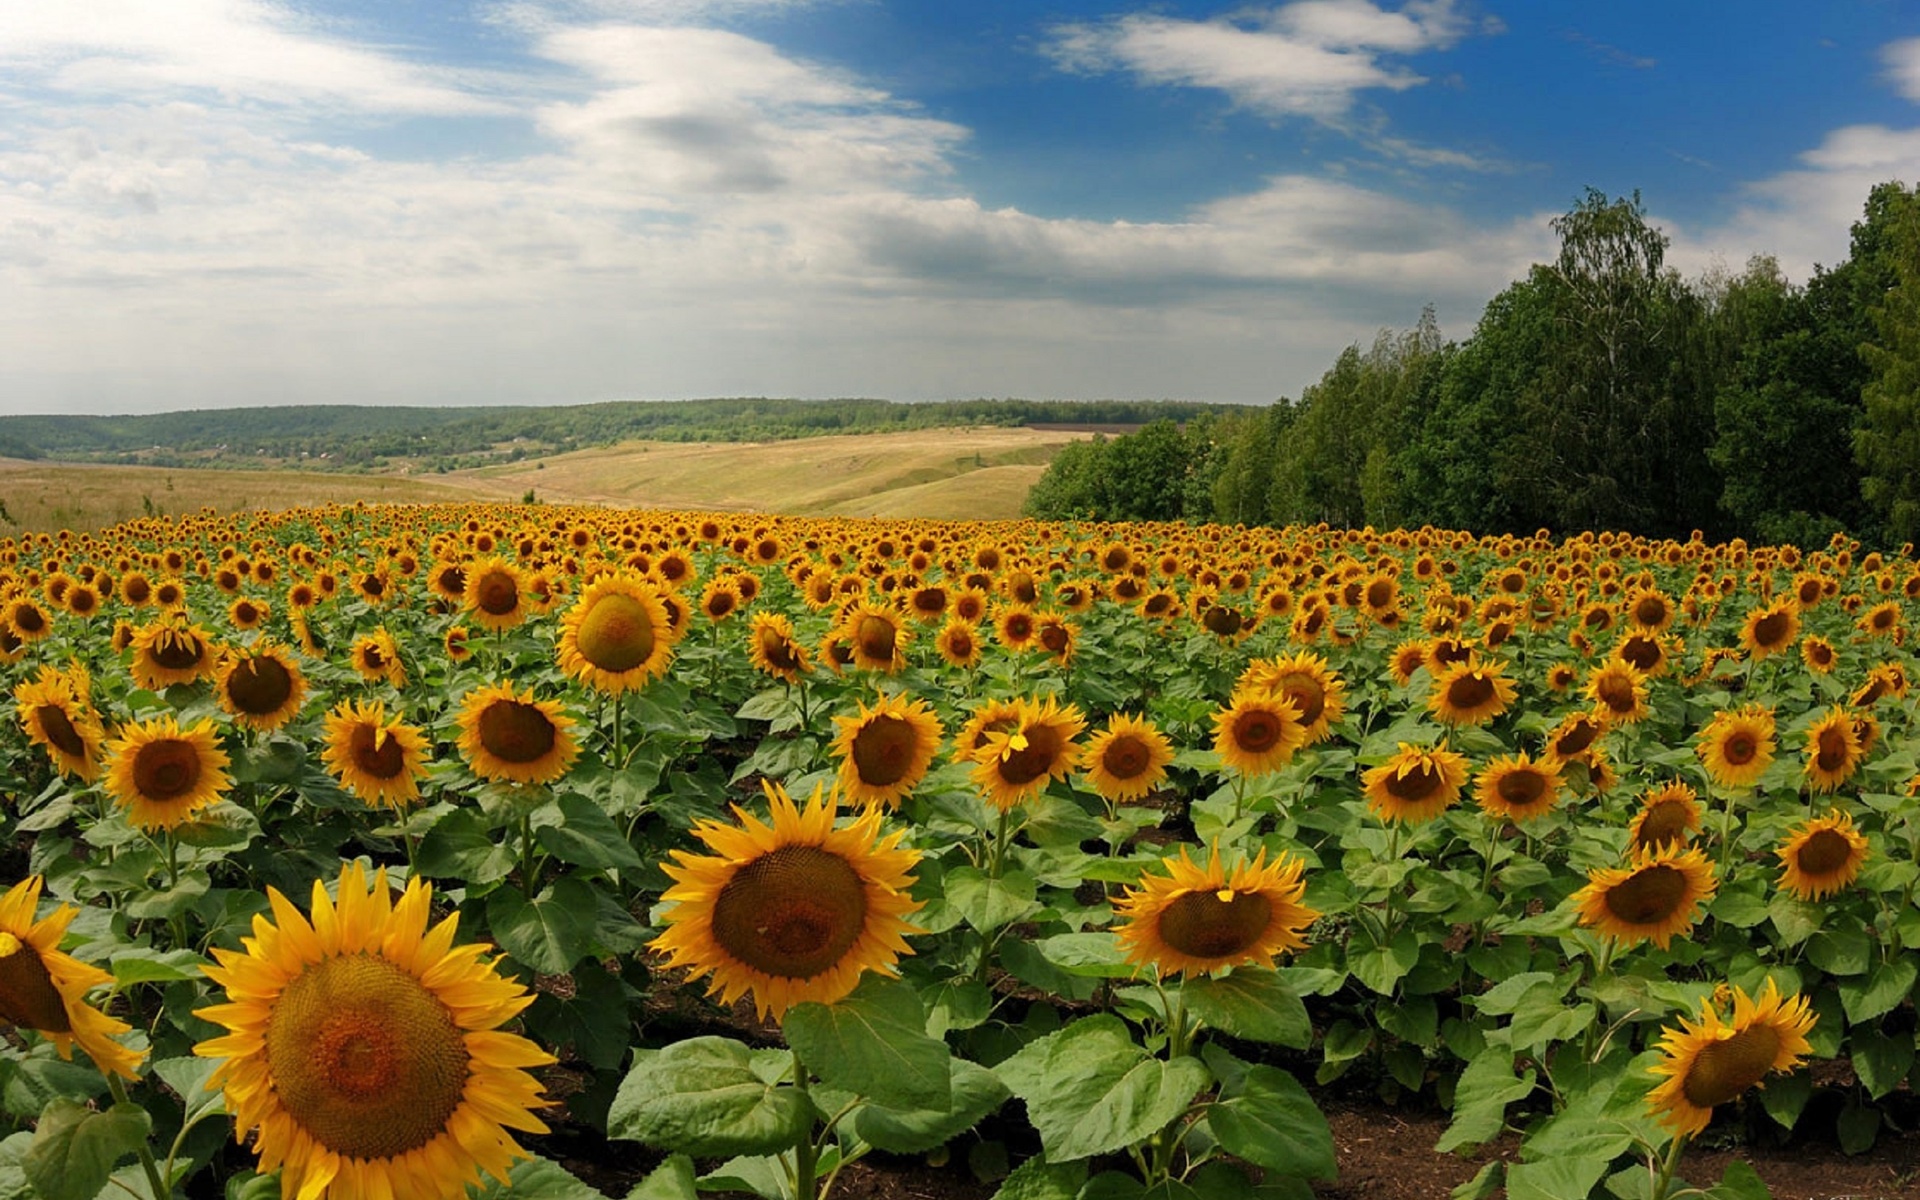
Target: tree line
(1601,391)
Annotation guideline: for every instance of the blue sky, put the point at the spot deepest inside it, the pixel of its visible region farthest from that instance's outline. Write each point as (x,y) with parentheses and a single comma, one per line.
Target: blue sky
(207,203)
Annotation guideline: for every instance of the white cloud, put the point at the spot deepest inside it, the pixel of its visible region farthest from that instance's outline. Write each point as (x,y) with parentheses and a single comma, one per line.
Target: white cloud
(233,50)
(1304,59)
(1903,66)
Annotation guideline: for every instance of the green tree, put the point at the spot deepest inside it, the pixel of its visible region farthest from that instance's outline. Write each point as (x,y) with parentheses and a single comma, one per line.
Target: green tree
(1071,486)
(1888,444)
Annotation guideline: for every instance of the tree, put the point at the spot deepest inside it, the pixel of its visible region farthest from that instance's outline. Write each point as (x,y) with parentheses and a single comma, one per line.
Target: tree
(1888,444)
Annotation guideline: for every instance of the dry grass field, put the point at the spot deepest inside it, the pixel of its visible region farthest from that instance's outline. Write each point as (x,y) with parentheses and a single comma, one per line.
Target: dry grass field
(944,473)
(949,473)
(45,495)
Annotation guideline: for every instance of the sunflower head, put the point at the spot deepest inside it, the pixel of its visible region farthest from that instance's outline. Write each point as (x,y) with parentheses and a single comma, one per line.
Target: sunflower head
(55,713)
(44,990)
(1515,788)
(1416,785)
(617,636)
(1737,747)
(495,595)
(1309,682)
(1470,692)
(1653,898)
(1668,816)
(1822,856)
(959,644)
(1619,692)
(1195,919)
(170,651)
(163,775)
(1258,732)
(1712,1062)
(874,637)
(1770,629)
(261,687)
(1026,744)
(792,909)
(773,649)
(885,750)
(1127,759)
(512,737)
(364,1049)
(379,759)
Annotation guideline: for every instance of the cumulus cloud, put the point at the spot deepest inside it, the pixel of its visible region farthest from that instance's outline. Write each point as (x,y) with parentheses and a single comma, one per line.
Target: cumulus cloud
(1903,66)
(1306,59)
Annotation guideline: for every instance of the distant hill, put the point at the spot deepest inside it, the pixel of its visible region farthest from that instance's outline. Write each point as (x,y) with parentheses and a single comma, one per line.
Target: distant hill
(354,437)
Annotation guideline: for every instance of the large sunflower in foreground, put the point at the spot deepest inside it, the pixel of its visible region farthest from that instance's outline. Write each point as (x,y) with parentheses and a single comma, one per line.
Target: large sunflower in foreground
(617,635)
(1127,759)
(43,989)
(1652,899)
(1712,1062)
(884,751)
(1195,919)
(162,774)
(791,910)
(364,1049)
(56,713)
(511,737)
(261,687)
(1822,856)
(1417,784)
(379,759)
(1018,756)
(1737,747)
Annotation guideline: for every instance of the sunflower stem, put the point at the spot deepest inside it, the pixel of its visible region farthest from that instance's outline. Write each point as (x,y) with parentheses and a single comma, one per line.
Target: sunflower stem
(806,1155)
(173,861)
(147,1163)
(1664,1180)
(527,880)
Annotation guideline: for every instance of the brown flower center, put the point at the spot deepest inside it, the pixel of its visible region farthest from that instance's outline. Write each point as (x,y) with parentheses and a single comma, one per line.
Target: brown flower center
(166,769)
(1824,853)
(1202,925)
(376,751)
(365,1058)
(515,732)
(793,913)
(1739,748)
(260,686)
(1423,782)
(616,634)
(1724,1069)
(1522,787)
(1126,757)
(874,635)
(495,593)
(1470,692)
(883,750)
(27,995)
(58,729)
(1663,824)
(1258,730)
(1648,896)
(1042,752)
(1832,755)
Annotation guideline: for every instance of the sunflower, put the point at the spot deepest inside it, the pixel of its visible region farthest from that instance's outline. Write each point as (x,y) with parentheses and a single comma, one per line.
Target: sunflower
(1618,690)
(617,635)
(43,989)
(455,643)
(720,599)
(875,636)
(1882,620)
(56,714)
(260,687)
(1014,627)
(1737,747)
(1818,653)
(162,775)
(1653,898)
(772,649)
(1196,919)
(495,594)
(511,737)
(792,910)
(376,656)
(958,644)
(171,651)
(1032,744)
(1668,816)
(448,580)
(379,760)
(1055,635)
(1417,784)
(1127,759)
(1257,732)
(29,621)
(248,613)
(1833,750)
(1305,679)
(1650,609)
(1770,629)
(1713,1062)
(1822,856)
(1471,692)
(364,1049)
(884,751)
(1515,788)
(1409,656)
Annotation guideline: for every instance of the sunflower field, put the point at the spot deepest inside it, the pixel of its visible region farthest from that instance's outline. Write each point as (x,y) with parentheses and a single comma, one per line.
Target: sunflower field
(414,851)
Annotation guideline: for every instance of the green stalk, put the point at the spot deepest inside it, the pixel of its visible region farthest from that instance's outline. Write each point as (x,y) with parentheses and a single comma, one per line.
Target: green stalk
(152,1168)
(1665,1179)
(806,1156)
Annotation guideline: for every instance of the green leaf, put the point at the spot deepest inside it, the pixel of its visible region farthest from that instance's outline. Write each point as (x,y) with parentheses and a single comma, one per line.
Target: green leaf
(1795,920)
(141,965)
(1879,993)
(965,1004)
(1485,1182)
(74,1149)
(1251,1003)
(763,1175)
(583,835)
(461,846)
(976,1092)
(1538,1026)
(1841,949)
(1038,1179)
(1857,1126)
(1739,1182)
(1378,966)
(1480,1100)
(1089,1089)
(1273,1123)
(702,1097)
(164,904)
(1881,1061)
(1555,1179)
(1785,1096)
(188,1077)
(671,1180)
(550,932)
(987,904)
(874,1043)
